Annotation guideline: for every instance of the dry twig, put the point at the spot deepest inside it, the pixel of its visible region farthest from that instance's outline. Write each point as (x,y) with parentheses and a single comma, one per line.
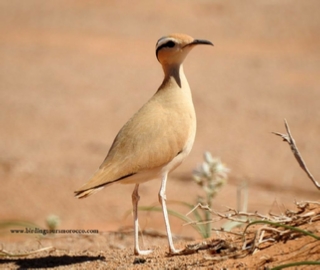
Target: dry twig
(9,254)
(265,230)
(289,139)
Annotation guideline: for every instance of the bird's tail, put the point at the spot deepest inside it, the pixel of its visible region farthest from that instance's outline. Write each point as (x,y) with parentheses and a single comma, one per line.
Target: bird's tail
(80,194)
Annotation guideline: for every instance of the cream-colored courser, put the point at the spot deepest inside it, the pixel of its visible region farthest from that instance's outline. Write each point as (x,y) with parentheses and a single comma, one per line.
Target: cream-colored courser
(157,138)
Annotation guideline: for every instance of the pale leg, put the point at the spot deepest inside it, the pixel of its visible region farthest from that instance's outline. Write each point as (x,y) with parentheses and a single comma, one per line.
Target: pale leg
(135,200)
(162,200)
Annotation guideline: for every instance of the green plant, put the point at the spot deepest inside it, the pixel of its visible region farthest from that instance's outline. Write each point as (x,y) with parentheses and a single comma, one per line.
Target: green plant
(53,221)
(6,225)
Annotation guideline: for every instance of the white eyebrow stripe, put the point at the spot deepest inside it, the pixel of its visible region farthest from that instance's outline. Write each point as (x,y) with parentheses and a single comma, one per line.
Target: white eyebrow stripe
(164,40)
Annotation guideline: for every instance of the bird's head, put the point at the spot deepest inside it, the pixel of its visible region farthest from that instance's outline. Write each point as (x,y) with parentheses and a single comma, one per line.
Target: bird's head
(173,49)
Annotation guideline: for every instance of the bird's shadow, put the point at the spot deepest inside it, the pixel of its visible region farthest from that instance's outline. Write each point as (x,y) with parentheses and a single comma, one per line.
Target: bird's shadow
(49,261)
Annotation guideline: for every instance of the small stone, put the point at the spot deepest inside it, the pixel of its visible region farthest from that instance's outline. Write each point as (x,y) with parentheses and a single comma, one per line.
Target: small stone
(139,261)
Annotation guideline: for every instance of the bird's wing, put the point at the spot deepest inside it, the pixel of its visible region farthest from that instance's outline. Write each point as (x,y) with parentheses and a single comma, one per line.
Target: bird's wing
(150,139)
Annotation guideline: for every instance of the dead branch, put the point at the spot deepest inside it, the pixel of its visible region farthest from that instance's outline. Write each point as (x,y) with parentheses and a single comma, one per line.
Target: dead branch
(263,232)
(289,139)
(234,215)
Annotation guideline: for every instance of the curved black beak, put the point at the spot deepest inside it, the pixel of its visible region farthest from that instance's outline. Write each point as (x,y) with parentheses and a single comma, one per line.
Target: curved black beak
(201,41)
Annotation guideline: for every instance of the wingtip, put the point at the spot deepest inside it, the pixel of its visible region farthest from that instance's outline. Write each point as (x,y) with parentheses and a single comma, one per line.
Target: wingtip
(80,194)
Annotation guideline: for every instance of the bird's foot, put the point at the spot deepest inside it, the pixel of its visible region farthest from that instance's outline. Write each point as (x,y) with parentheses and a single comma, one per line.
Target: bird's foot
(173,251)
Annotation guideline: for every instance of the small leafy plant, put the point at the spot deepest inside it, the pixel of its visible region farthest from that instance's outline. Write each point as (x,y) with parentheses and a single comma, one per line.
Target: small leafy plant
(211,176)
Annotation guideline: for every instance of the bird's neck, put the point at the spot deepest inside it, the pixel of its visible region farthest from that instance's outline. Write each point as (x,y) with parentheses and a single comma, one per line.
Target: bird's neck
(174,75)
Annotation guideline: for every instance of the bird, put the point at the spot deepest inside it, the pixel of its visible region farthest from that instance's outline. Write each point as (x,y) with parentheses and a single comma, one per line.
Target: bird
(157,138)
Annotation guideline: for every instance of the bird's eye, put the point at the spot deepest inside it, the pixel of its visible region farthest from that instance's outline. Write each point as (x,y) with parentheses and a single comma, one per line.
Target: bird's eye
(170,44)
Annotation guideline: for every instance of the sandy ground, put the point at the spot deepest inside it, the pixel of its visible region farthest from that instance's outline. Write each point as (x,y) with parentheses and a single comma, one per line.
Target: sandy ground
(73,72)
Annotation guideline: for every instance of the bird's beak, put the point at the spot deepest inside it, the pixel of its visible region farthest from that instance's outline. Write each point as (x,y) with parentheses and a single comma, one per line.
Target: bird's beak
(200,41)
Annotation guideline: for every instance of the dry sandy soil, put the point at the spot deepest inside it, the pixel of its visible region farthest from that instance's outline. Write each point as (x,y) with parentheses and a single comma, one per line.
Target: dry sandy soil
(73,72)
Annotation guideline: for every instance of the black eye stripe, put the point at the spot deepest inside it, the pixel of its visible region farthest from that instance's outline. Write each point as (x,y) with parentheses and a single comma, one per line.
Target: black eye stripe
(169,44)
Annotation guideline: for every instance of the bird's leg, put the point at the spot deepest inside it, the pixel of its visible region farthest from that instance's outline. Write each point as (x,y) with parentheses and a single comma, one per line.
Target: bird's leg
(135,200)
(162,200)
